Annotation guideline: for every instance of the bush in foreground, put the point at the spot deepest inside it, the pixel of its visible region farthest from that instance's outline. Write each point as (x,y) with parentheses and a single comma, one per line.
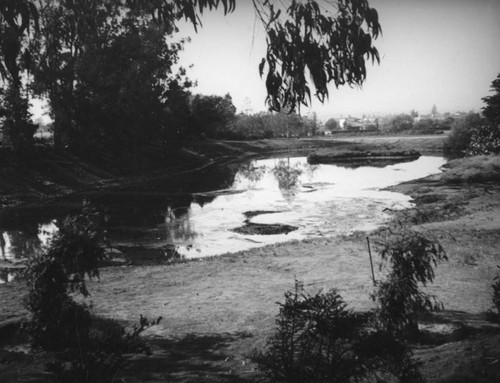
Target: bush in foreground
(73,254)
(412,257)
(87,349)
(318,339)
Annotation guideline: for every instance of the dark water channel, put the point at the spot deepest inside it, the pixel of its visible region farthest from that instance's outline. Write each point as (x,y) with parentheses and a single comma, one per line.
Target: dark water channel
(195,214)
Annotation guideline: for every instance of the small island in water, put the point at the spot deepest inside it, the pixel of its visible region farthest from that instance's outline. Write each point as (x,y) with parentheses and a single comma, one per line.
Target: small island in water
(359,158)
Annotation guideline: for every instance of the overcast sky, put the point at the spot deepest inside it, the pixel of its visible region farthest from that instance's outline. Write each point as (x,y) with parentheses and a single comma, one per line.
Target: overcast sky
(442,52)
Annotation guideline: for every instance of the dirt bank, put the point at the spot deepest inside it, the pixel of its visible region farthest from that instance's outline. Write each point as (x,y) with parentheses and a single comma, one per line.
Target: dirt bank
(217,310)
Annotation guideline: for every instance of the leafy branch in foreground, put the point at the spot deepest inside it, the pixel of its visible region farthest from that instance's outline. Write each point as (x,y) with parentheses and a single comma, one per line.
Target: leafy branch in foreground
(326,41)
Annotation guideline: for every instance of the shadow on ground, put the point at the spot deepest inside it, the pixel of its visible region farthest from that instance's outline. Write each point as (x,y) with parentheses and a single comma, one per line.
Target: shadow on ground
(193,358)
(459,347)
(453,326)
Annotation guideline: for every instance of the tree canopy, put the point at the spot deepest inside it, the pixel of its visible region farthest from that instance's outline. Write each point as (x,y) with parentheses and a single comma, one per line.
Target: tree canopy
(107,67)
(210,113)
(332,124)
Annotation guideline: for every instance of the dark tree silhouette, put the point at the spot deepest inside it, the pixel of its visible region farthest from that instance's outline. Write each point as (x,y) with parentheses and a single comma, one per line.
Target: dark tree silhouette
(211,113)
(18,18)
(492,109)
(332,124)
(310,44)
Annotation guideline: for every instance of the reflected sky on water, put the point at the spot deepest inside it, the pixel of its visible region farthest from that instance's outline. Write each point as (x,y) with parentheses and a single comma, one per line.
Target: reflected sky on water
(320,200)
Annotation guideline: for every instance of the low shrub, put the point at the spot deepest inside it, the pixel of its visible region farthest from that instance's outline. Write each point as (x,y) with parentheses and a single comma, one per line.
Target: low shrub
(318,339)
(57,320)
(87,349)
(462,129)
(412,257)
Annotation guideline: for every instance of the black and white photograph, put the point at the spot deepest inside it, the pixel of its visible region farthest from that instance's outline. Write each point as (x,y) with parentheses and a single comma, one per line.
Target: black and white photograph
(237,191)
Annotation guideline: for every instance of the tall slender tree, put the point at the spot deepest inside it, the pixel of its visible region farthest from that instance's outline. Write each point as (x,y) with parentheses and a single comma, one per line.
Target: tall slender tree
(18,18)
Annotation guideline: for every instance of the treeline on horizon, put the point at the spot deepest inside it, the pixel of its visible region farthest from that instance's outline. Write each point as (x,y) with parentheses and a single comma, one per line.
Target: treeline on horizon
(211,116)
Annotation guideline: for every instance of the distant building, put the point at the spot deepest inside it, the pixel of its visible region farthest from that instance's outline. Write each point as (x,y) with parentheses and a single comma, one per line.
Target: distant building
(354,124)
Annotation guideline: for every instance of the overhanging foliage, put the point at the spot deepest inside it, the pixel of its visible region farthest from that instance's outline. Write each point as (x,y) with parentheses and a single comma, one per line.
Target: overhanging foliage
(311,44)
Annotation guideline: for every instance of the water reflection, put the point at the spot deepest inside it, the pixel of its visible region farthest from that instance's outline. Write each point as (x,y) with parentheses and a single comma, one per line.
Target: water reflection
(287,177)
(18,245)
(178,225)
(26,241)
(197,217)
(6,276)
(251,172)
(320,199)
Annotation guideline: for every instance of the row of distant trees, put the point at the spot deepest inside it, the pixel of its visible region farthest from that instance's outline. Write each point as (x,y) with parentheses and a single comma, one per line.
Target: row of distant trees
(408,123)
(212,116)
(401,123)
(271,125)
(411,124)
(202,116)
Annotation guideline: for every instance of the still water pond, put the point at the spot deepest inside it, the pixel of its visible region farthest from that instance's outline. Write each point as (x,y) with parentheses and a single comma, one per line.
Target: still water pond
(319,200)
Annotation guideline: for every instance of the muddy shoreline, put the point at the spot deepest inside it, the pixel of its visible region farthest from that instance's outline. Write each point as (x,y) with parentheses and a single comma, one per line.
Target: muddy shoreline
(217,310)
